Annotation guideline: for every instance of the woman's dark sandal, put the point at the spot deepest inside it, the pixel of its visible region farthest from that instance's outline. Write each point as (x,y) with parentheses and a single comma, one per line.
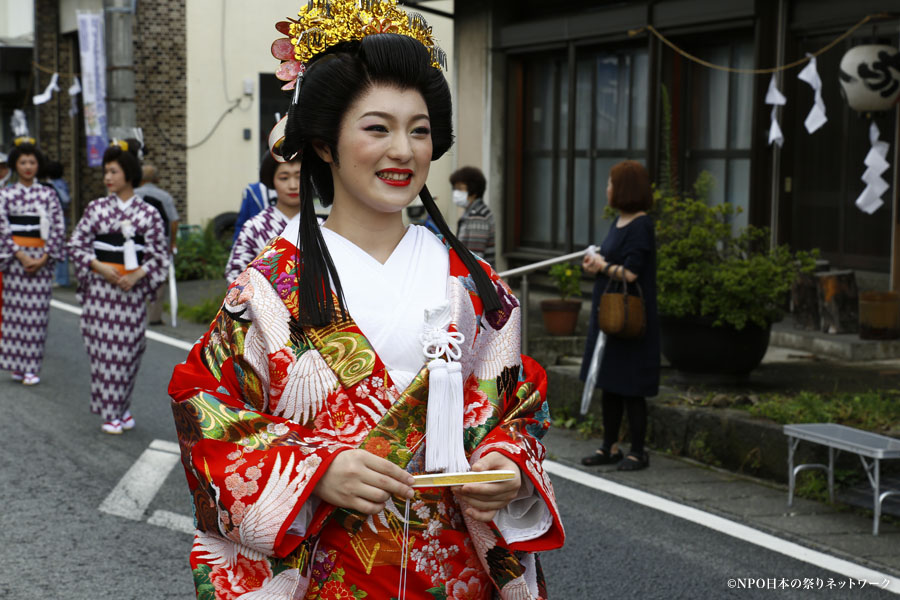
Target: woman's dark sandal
(633,462)
(601,457)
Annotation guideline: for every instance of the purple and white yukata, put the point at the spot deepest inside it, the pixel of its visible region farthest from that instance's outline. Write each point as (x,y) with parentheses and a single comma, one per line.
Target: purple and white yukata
(114,321)
(31,214)
(253,237)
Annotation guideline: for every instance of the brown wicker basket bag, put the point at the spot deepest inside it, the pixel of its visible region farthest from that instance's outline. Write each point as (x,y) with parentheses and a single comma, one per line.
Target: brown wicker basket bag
(621,314)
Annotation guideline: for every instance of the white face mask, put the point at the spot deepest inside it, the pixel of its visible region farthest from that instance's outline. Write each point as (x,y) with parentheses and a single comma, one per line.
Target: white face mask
(460,197)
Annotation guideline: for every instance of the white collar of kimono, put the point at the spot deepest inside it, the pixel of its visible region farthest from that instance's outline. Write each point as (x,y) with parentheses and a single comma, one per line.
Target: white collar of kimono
(123,204)
(276,210)
(388,301)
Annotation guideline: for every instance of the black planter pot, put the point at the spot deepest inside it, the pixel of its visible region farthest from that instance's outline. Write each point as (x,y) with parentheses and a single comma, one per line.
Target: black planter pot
(693,345)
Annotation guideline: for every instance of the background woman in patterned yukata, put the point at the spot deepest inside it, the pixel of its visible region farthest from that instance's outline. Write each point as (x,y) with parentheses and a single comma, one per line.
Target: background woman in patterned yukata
(284,178)
(121,257)
(32,239)
(302,413)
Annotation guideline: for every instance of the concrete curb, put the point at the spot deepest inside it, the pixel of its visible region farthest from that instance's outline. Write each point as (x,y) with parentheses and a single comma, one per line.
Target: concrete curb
(721,437)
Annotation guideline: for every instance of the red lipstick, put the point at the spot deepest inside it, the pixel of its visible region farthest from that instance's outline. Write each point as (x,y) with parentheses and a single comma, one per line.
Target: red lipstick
(396,182)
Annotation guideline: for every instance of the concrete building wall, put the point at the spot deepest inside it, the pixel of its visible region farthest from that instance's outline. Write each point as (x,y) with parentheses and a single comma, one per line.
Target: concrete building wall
(222,164)
(480,95)
(191,59)
(60,135)
(161,92)
(16,19)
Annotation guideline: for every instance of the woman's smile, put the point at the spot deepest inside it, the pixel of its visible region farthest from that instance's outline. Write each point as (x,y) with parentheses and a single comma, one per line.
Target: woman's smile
(397,177)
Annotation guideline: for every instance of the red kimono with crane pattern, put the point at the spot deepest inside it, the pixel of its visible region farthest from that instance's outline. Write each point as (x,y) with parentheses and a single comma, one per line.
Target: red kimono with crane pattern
(262,406)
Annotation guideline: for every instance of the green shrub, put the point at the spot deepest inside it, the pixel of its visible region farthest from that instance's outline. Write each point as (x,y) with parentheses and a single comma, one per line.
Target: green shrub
(877,411)
(200,255)
(706,268)
(202,313)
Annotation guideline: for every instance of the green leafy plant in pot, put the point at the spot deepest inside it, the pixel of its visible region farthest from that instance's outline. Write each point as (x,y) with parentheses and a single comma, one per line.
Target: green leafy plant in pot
(720,287)
(561,315)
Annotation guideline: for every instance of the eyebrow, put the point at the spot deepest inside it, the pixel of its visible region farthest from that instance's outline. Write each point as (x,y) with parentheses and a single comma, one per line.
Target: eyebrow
(390,117)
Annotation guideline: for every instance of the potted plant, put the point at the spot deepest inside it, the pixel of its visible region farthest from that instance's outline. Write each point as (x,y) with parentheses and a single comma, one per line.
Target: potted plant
(720,287)
(561,315)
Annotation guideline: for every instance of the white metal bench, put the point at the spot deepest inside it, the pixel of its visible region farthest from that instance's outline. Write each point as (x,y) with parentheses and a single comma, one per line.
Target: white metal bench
(840,437)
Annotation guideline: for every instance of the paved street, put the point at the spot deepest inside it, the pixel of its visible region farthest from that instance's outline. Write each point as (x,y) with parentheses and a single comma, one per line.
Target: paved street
(88,515)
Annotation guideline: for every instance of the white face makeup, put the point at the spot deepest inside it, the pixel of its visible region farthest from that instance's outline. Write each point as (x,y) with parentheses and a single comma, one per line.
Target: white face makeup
(114,179)
(384,151)
(287,184)
(27,167)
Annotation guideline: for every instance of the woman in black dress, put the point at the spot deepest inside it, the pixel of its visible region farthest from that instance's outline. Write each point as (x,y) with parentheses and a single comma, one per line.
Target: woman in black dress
(629,371)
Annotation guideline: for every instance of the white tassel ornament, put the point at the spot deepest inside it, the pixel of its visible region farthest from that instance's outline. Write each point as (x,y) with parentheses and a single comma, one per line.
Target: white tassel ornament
(444,449)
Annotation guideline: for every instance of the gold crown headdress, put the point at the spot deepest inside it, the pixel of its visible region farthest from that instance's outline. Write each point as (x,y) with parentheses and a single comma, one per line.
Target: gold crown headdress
(24,139)
(326,23)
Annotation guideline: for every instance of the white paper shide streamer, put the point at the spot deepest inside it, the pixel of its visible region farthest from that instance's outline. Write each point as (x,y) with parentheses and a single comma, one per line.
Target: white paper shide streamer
(876,163)
(816,117)
(444,451)
(74,90)
(776,99)
(48,91)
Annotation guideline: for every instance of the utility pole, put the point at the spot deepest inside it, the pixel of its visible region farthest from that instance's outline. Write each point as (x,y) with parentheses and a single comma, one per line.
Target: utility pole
(119,18)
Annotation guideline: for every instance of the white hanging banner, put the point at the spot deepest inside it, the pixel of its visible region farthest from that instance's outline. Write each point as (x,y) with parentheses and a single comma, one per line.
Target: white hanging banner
(92,46)
(816,117)
(776,99)
(48,91)
(870,199)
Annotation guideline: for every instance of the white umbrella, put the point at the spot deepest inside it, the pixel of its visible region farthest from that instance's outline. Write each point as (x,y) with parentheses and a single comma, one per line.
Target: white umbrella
(591,378)
(173,294)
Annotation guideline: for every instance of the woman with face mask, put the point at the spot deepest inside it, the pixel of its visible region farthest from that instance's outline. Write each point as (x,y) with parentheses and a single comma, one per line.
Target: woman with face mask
(121,256)
(32,239)
(351,357)
(476,225)
(256,232)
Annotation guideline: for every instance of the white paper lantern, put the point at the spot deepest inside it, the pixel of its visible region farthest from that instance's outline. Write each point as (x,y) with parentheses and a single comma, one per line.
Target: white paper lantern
(870,77)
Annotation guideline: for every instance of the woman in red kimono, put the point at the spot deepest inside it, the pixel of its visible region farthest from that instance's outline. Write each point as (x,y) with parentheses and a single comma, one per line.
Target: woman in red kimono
(348,358)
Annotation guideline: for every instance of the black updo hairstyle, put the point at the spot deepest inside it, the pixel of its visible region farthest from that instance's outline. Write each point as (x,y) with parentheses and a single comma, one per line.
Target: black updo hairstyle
(268,168)
(127,159)
(26,149)
(333,82)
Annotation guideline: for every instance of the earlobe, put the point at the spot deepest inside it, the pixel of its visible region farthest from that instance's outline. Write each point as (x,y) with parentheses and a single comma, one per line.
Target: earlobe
(324,152)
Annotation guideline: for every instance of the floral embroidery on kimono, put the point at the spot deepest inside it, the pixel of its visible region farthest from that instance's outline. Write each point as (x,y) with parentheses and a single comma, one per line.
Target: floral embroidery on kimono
(262,406)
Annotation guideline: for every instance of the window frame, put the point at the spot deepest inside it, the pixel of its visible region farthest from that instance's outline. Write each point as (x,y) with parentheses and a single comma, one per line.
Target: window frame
(563,156)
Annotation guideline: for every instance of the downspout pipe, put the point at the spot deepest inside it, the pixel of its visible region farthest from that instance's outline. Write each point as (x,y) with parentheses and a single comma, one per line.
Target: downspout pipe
(119,17)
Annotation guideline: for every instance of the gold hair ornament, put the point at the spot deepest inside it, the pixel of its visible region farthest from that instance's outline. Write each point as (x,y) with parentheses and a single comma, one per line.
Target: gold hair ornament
(120,143)
(24,139)
(326,23)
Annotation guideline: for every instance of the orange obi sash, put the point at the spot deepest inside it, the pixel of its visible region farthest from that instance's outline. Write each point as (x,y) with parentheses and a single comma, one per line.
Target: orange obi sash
(28,242)
(119,267)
